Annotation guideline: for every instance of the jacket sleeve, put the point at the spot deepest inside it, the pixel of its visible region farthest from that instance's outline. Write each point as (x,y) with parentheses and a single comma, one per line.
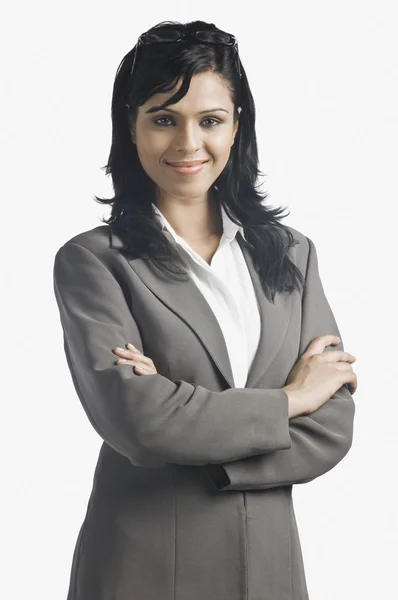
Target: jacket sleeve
(319,440)
(150,419)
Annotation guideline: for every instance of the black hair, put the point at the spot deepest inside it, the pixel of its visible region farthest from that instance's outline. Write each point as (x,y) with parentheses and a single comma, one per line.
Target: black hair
(157,70)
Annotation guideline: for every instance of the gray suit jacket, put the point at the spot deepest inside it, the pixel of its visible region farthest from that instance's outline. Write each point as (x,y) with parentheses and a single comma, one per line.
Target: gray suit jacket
(192,493)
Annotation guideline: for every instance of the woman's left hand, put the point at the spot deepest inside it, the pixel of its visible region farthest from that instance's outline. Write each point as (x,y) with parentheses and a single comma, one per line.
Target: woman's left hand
(132,356)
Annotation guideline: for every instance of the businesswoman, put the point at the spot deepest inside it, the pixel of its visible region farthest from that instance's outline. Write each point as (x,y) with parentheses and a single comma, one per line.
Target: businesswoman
(200,343)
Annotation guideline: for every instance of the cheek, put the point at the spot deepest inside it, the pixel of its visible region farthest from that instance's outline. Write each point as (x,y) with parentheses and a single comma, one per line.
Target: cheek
(150,155)
(221,144)
(221,149)
(150,147)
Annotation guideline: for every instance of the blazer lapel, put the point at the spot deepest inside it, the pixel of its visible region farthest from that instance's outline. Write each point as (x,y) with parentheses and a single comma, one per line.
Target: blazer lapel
(275,319)
(186,300)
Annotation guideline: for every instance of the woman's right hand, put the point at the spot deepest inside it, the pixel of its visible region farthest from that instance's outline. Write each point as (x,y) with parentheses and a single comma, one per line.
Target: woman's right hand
(317,375)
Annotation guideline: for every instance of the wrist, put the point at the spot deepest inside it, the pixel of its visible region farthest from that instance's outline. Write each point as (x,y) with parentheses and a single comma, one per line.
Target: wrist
(296,405)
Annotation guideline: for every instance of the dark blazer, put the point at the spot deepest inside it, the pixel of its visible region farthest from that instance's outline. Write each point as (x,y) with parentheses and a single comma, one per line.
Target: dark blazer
(192,492)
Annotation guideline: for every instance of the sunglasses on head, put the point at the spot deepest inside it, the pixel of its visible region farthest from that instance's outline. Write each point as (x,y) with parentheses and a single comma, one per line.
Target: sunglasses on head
(171,36)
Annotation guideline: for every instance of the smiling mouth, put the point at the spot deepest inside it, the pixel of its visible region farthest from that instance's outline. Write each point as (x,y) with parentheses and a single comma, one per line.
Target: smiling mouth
(187,164)
(185,170)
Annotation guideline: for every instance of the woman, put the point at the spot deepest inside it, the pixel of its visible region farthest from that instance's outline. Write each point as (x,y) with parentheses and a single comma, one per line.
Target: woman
(199,340)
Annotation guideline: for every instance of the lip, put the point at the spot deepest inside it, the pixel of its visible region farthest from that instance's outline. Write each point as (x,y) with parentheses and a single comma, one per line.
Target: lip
(183,163)
(187,168)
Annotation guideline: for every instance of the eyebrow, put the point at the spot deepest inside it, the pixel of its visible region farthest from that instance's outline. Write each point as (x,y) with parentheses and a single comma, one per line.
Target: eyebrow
(209,110)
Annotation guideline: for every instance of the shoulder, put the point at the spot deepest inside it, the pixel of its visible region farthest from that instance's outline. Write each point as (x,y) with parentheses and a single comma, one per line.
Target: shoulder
(298,236)
(101,241)
(301,246)
(93,246)
(97,240)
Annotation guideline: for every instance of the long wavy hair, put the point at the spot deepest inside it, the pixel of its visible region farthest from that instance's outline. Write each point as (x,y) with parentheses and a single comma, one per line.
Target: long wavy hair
(157,70)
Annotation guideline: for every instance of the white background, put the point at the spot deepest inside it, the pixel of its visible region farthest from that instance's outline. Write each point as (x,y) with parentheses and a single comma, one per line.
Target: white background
(324,79)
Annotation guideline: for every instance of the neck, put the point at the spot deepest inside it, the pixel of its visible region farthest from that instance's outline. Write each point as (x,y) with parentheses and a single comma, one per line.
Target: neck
(199,220)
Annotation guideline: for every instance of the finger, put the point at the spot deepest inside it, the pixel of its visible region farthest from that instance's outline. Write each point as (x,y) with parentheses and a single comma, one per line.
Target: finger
(133,355)
(319,343)
(145,370)
(352,383)
(131,347)
(149,364)
(125,361)
(337,356)
(141,367)
(121,351)
(145,360)
(343,366)
(347,357)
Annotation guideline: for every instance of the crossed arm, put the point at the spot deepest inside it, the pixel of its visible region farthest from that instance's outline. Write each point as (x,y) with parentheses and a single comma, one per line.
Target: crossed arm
(243,434)
(318,441)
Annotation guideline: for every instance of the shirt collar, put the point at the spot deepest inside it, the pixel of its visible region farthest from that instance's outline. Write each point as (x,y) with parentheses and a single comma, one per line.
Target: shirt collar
(230,229)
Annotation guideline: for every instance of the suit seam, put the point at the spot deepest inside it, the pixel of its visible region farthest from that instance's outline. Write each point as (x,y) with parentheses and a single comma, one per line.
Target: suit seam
(175,532)
(290,543)
(246,549)
(308,257)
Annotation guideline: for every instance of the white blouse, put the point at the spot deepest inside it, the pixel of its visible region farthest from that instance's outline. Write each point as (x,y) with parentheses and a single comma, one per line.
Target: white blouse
(227,286)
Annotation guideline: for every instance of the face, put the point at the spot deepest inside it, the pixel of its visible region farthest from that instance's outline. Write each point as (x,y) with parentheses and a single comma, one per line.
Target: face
(186,135)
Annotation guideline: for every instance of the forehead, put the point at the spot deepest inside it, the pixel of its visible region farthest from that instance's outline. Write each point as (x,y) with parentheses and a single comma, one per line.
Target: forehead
(206,91)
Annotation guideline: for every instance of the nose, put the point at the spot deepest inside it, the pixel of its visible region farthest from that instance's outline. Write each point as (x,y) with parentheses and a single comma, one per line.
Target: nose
(187,139)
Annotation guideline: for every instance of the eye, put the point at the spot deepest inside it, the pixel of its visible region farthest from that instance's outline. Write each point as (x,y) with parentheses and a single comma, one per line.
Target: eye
(216,121)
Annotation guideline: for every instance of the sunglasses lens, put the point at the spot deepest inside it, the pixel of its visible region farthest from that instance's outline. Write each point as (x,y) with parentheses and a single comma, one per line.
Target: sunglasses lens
(213,36)
(171,35)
